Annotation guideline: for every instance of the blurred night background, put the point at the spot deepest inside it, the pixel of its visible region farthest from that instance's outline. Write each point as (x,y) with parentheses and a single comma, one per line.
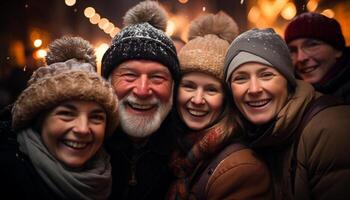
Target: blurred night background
(28,26)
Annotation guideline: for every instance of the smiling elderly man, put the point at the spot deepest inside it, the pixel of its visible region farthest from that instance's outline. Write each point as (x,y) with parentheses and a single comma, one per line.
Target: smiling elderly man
(143,68)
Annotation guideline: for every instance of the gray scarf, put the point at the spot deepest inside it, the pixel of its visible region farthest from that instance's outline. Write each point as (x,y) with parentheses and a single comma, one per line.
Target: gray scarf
(94,181)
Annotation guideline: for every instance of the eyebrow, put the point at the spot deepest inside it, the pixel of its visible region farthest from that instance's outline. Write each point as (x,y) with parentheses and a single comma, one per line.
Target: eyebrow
(72,107)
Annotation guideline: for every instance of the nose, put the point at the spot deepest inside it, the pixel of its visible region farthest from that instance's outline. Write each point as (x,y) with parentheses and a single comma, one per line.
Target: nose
(81,125)
(198,97)
(254,87)
(142,88)
(301,55)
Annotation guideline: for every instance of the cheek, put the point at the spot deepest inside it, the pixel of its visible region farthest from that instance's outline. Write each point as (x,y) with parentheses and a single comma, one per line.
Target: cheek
(163,91)
(121,88)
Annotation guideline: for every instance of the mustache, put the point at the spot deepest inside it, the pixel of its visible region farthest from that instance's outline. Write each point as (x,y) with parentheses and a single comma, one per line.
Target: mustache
(134,100)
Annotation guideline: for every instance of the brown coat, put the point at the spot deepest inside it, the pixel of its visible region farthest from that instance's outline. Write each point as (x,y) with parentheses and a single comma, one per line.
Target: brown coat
(323,164)
(241,175)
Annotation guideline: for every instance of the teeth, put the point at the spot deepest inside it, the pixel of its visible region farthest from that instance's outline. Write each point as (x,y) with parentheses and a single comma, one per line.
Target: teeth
(258,103)
(307,70)
(140,106)
(197,113)
(76,145)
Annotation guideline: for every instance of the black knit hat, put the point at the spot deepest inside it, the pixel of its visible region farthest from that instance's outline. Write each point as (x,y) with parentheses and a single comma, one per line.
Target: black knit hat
(142,39)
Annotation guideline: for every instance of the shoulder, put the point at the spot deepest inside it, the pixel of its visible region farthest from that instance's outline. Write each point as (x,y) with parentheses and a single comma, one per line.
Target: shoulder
(237,174)
(242,162)
(326,136)
(334,120)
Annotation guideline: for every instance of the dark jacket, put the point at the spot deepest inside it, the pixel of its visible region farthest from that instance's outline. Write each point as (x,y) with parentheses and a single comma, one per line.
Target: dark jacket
(323,165)
(337,81)
(18,177)
(140,173)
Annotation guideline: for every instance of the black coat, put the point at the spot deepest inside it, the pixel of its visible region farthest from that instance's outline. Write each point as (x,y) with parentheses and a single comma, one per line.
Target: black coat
(337,81)
(140,173)
(18,177)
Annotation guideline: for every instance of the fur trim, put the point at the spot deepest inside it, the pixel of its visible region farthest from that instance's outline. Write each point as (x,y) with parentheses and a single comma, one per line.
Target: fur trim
(147,11)
(219,24)
(67,48)
(46,93)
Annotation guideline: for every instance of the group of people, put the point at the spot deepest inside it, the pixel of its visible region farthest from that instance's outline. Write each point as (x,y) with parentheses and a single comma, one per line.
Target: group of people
(227,115)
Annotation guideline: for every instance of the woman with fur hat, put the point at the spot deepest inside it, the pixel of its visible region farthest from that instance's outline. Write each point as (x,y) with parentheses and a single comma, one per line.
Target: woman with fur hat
(59,123)
(208,127)
(300,133)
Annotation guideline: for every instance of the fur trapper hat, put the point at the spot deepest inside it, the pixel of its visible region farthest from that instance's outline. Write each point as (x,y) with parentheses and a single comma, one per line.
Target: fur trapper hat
(209,38)
(70,75)
(142,38)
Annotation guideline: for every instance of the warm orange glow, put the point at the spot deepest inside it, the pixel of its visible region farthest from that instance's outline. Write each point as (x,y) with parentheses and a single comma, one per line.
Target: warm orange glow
(114,32)
(328,13)
(170,28)
(37,43)
(95,19)
(312,5)
(103,23)
(254,14)
(289,11)
(100,50)
(204,8)
(109,28)
(40,54)
(89,12)
(183,1)
(70,2)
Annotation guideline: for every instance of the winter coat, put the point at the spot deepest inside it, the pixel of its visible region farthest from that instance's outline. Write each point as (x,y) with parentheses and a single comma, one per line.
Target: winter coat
(337,81)
(240,175)
(19,179)
(323,164)
(140,172)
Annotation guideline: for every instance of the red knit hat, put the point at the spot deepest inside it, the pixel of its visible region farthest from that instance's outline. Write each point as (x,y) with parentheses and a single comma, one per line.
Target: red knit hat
(315,25)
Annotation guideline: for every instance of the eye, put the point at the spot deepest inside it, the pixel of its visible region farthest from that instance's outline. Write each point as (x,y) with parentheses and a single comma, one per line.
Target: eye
(98,118)
(157,78)
(187,86)
(129,76)
(266,75)
(293,50)
(311,45)
(212,90)
(239,79)
(66,115)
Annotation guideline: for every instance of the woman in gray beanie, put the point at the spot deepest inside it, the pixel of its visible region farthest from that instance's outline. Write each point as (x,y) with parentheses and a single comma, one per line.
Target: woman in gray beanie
(302,136)
(59,123)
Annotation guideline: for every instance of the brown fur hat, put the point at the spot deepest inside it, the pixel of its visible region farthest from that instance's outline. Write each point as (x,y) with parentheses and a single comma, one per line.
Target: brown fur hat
(209,38)
(70,76)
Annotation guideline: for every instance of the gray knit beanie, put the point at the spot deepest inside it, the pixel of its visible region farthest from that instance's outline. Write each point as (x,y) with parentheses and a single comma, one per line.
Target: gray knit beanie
(143,37)
(264,46)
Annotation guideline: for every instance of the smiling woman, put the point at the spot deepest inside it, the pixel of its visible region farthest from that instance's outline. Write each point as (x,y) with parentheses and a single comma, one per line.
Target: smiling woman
(210,132)
(275,110)
(60,121)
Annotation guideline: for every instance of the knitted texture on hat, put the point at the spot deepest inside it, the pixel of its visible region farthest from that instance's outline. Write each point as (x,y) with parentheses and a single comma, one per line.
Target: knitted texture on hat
(210,36)
(315,25)
(141,40)
(266,44)
(63,81)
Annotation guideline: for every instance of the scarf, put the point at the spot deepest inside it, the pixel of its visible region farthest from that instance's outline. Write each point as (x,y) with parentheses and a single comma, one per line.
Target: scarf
(203,145)
(94,181)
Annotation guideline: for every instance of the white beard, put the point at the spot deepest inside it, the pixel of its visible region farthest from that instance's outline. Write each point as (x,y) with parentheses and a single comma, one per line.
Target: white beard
(142,126)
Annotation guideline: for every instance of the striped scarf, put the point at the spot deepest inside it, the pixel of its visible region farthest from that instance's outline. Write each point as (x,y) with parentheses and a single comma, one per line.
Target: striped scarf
(183,164)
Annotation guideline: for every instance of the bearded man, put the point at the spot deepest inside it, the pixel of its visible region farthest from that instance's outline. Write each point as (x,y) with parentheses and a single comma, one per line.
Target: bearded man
(142,66)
